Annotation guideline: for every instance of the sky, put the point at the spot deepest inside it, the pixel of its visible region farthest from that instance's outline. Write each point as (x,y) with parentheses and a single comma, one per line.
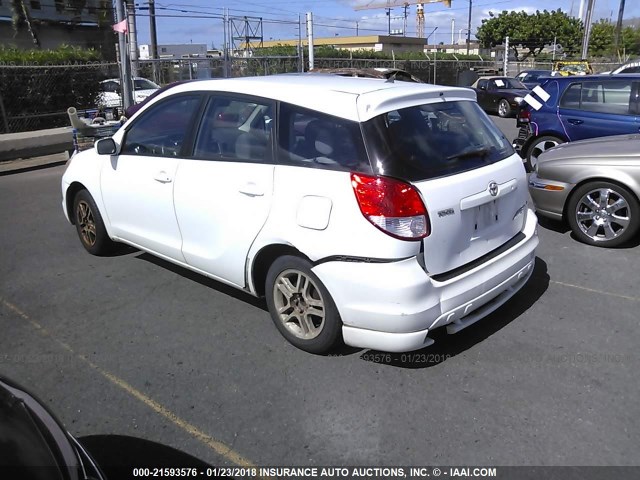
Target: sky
(200,21)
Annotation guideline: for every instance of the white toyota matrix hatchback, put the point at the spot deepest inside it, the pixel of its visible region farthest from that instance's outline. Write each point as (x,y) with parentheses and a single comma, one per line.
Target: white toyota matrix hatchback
(365,211)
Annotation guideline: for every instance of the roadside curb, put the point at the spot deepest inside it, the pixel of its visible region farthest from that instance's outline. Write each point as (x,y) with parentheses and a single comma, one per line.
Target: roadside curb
(21,165)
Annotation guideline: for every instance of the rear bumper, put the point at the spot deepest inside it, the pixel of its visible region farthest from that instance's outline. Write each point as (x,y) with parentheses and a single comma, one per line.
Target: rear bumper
(393,306)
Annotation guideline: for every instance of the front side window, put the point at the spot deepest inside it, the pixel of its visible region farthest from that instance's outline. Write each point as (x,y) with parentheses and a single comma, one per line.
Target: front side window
(161,130)
(235,129)
(434,140)
(314,139)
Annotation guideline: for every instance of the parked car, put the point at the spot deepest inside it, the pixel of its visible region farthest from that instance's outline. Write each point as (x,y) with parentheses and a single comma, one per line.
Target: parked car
(362,209)
(629,67)
(566,68)
(501,95)
(110,96)
(35,445)
(379,72)
(593,186)
(531,78)
(130,112)
(577,108)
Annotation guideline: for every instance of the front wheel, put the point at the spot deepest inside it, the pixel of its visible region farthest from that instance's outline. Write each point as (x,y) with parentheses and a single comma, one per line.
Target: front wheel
(90,226)
(301,306)
(504,109)
(603,214)
(538,147)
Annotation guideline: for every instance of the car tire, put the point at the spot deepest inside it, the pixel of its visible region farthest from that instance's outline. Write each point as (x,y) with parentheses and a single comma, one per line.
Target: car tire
(538,147)
(603,214)
(301,306)
(504,109)
(90,226)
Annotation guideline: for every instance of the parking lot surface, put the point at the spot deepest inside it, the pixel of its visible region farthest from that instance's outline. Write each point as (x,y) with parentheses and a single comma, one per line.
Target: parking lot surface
(132,345)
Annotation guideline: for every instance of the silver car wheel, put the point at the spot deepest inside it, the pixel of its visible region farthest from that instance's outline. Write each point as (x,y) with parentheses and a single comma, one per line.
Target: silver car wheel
(299,304)
(602,214)
(538,148)
(503,108)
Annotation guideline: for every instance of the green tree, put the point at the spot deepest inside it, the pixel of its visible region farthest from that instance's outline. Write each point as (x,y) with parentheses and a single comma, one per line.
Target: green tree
(630,41)
(601,39)
(530,33)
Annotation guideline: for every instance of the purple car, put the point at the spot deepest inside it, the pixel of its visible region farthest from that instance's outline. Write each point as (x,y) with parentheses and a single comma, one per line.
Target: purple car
(129,112)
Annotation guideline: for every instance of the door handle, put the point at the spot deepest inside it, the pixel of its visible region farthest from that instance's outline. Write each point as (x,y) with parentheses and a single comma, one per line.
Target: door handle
(162,177)
(251,189)
(574,121)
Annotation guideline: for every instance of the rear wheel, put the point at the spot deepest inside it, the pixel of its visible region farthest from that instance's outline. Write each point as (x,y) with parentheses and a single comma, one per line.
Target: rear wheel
(504,109)
(301,306)
(89,225)
(538,147)
(603,214)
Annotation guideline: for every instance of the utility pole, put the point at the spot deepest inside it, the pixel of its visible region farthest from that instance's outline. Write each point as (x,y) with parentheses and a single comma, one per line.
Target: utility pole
(469,28)
(310,39)
(404,25)
(154,40)
(133,37)
(453,29)
(619,26)
(587,30)
(125,66)
(300,51)
(505,60)
(225,47)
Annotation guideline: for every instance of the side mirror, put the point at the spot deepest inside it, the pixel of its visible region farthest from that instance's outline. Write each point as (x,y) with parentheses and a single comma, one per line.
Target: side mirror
(106,146)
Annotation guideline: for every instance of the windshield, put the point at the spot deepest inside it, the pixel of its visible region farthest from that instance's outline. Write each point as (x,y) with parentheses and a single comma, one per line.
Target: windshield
(505,83)
(144,84)
(574,67)
(433,140)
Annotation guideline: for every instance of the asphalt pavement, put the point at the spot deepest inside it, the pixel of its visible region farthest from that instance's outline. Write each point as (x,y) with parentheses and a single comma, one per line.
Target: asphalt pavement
(132,345)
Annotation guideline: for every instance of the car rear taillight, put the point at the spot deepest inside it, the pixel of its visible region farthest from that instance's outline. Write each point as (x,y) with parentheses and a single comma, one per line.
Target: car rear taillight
(393,206)
(524,116)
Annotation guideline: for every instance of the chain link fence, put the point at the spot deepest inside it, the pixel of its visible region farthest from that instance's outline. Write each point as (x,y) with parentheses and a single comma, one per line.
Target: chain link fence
(34,97)
(37,97)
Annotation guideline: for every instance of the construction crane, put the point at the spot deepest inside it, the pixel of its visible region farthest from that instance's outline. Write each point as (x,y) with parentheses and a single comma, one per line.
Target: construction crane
(389,4)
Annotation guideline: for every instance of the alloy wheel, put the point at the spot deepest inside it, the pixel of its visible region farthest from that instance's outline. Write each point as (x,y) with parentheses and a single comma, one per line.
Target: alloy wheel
(299,304)
(84,217)
(602,214)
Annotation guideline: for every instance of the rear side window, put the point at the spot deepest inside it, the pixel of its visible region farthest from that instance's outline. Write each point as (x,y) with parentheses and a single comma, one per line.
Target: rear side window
(610,97)
(309,138)
(434,140)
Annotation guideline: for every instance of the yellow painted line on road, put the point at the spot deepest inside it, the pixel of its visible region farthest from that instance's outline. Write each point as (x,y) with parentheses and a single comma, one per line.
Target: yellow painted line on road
(216,445)
(593,290)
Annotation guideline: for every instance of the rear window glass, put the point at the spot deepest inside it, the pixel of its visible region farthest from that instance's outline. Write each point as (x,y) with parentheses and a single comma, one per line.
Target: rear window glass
(434,140)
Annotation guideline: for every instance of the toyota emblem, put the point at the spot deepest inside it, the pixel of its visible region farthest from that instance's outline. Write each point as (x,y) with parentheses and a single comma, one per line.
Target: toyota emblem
(493,189)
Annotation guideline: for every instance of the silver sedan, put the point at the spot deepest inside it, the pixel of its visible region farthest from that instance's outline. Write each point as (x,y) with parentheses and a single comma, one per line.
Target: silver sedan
(593,186)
